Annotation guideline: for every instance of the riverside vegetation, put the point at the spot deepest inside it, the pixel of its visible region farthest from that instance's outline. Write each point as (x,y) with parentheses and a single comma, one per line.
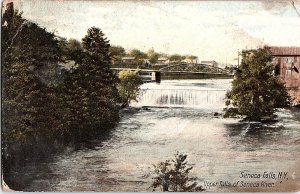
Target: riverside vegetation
(256,92)
(129,86)
(173,175)
(45,106)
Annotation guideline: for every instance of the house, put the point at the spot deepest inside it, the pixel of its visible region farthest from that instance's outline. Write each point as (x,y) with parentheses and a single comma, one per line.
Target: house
(115,60)
(286,61)
(128,60)
(163,61)
(188,60)
(212,63)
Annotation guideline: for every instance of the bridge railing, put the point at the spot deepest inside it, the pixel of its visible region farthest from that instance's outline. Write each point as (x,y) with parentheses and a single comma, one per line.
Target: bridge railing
(182,68)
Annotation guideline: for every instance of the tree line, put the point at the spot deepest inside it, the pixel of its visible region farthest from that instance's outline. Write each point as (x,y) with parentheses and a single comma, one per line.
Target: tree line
(45,104)
(118,52)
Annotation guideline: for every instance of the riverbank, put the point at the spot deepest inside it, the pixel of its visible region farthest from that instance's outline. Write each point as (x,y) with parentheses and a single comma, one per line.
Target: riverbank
(27,157)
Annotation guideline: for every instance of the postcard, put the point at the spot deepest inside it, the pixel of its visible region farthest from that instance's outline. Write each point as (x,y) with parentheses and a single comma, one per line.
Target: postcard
(150,96)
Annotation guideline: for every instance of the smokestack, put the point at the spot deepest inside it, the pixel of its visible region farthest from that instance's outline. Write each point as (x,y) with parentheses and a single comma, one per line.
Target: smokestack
(10,9)
(8,13)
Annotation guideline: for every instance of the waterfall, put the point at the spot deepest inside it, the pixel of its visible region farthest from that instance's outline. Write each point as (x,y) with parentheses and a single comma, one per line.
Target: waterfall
(208,93)
(201,98)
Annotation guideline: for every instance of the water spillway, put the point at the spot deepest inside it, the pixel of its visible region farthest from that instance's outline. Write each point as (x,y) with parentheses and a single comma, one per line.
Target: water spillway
(182,97)
(204,94)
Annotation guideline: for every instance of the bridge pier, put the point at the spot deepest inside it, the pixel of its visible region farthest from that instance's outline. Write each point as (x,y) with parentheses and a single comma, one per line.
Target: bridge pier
(156,76)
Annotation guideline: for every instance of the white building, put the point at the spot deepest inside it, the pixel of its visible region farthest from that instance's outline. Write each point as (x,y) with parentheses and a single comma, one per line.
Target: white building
(212,63)
(163,61)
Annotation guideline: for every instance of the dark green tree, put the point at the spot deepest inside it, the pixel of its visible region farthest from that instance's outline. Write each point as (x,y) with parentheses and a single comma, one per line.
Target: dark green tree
(90,89)
(255,90)
(71,50)
(30,77)
(74,50)
(30,57)
(173,175)
(116,53)
(138,55)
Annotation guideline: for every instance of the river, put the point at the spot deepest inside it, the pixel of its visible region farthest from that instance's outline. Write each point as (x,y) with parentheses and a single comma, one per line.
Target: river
(180,116)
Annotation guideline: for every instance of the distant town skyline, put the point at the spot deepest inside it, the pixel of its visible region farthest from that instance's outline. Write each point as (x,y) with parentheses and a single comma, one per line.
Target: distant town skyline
(211,30)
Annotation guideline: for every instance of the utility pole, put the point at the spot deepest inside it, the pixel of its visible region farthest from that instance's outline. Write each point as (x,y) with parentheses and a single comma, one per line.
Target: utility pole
(238,58)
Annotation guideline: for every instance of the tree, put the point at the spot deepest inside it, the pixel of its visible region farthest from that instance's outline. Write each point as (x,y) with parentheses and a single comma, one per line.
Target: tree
(29,58)
(255,90)
(152,56)
(129,86)
(176,57)
(230,68)
(74,50)
(138,55)
(173,175)
(117,52)
(30,79)
(91,93)
(191,58)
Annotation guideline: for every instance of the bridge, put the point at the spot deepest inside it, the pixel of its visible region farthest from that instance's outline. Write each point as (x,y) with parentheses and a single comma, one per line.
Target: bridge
(179,69)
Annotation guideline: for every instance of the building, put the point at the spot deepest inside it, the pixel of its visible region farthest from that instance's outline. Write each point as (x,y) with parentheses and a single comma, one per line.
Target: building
(129,60)
(163,61)
(115,60)
(189,60)
(286,62)
(212,63)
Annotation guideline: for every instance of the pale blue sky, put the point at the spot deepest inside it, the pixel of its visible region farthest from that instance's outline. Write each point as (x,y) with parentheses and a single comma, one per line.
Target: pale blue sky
(211,30)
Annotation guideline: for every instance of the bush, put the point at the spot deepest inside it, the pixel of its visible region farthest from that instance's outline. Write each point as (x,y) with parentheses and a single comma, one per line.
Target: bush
(129,86)
(173,175)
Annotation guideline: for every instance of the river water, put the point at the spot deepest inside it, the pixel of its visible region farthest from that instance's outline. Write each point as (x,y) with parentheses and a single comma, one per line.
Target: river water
(180,116)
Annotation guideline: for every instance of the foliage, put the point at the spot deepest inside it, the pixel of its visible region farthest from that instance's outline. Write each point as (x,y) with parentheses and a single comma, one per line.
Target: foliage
(74,51)
(129,86)
(152,56)
(255,90)
(173,175)
(90,92)
(230,68)
(42,103)
(176,57)
(138,55)
(30,80)
(191,57)
(71,50)
(117,52)
(30,56)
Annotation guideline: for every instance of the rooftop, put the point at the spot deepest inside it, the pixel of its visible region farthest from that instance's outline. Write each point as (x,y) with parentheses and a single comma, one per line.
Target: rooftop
(209,61)
(162,58)
(128,58)
(285,51)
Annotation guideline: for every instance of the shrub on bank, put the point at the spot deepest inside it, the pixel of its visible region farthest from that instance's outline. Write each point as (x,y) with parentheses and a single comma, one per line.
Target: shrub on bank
(129,86)
(173,175)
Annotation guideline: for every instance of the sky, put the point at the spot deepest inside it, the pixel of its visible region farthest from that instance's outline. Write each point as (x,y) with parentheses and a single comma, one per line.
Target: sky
(211,30)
